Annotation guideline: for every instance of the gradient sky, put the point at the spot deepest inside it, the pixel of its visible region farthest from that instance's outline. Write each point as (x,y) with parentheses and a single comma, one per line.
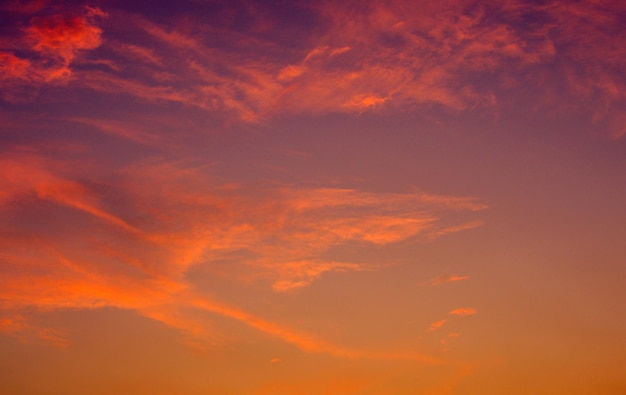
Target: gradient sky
(313,197)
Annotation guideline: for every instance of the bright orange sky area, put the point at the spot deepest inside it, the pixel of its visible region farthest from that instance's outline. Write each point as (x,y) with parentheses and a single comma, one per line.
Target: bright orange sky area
(313,197)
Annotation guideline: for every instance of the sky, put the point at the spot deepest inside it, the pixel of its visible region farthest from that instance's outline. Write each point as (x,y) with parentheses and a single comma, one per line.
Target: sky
(312,197)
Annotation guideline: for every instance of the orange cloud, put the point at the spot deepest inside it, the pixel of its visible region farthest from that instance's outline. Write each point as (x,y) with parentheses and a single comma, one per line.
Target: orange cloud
(11,324)
(463,311)
(23,175)
(134,251)
(437,324)
(19,328)
(363,101)
(447,279)
(457,228)
(303,273)
(290,72)
(449,338)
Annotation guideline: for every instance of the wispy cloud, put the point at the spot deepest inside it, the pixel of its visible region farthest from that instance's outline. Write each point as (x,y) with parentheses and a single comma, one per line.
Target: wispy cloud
(129,243)
(18,327)
(136,52)
(447,279)
(437,324)
(370,56)
(463,311)
(24,6)
(128,131)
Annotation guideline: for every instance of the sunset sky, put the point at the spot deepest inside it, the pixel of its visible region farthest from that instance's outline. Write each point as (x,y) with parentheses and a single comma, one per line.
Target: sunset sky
(304,197)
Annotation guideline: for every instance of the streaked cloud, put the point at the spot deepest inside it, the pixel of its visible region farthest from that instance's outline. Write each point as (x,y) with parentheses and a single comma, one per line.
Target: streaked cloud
(24,6)
(129,243)
(463,311)
(245,176)
(18,327)
(371,56)
(447,279)
(449,338)
(437,324)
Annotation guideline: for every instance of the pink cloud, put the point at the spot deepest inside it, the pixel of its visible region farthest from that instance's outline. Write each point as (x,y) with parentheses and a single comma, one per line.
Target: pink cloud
(373,56)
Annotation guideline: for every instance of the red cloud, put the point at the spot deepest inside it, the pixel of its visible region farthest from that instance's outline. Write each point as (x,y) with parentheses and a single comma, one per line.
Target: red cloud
(12,67)
(57,40)
(63,36)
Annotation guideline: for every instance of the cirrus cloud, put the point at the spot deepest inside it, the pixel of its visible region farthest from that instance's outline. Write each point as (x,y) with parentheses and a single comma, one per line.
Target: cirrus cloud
(131,244)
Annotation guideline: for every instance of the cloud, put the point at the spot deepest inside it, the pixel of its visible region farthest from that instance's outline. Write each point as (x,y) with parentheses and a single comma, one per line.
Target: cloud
(437,324)
(447,279)
(400,55)
(124,130)
(53,43)
(136,52)
(131,243)
(449,338)
(24,174)
(463,311)
(19,328)
(252,88)
(12,67)
(367,57)
(305,272)
(25,6)
(63,36)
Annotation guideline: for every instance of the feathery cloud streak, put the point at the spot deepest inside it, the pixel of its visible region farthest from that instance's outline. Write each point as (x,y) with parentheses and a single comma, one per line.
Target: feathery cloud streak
(463,311)
(134,251)
(447,279)
(360,56)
